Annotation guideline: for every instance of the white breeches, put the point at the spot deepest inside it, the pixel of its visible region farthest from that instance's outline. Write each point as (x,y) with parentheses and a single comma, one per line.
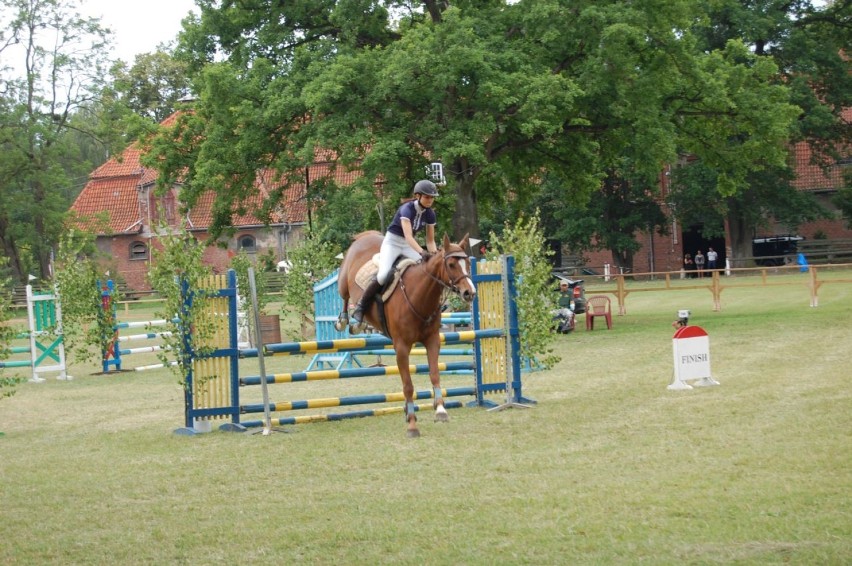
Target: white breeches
(393,246)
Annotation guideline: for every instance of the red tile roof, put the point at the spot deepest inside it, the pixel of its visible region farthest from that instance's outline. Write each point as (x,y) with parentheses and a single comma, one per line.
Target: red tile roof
(115,196)
(113,188)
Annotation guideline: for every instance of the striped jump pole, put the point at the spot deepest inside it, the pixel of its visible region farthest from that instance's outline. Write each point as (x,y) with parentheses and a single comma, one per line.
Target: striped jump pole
(323,374)
(371,342)
(348,373)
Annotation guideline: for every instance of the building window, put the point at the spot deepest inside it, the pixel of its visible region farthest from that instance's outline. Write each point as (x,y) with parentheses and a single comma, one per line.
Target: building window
(247,244)
(138,250)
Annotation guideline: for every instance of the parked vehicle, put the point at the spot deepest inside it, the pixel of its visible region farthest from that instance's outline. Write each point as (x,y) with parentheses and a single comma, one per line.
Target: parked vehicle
(775,250)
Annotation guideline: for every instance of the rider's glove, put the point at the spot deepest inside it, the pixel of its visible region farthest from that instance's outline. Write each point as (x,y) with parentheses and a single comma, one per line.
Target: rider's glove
(425,254)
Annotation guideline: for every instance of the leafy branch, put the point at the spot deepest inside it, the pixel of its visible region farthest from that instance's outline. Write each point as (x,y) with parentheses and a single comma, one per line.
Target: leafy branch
(183,281)
(311,260)
(87,329)
(7,384)
(525,241)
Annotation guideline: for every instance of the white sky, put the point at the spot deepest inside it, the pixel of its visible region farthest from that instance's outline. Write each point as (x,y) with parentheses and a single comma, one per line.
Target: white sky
(138,27)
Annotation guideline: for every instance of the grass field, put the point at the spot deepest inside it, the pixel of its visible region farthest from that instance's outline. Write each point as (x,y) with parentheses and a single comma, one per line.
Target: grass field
(610,467)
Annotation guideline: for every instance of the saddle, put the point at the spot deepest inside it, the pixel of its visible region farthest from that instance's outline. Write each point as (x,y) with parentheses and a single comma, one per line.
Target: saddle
(370,268)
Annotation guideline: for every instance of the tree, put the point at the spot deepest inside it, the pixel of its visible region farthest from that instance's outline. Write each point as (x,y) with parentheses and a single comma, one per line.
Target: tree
(153,85)
(843,201)
(498,92)
(53,63)
(311,260)
(770,194)
(625,205)
(807,45)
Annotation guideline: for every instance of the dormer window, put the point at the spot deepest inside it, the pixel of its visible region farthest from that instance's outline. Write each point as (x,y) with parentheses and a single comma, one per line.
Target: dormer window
(247,244)
(138,250)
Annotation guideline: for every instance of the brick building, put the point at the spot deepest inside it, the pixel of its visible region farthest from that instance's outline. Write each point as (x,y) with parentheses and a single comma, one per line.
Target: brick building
(119,205)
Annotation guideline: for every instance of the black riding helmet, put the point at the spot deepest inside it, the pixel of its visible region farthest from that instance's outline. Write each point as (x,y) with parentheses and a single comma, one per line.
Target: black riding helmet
(425,187)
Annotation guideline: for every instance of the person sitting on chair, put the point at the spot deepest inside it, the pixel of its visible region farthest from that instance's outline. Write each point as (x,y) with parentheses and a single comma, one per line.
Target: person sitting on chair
(565,313)
(413,216)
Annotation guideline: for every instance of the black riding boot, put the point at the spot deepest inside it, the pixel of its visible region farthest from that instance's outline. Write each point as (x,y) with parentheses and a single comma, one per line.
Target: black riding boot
(365,302)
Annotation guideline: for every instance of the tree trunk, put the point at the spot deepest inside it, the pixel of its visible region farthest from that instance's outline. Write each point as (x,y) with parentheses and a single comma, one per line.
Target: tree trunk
(465,216)
(623,260)
(738,236)
(41,249)
(10,251)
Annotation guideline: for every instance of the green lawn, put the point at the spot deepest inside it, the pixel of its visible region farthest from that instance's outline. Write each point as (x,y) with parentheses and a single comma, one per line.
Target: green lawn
(610,467)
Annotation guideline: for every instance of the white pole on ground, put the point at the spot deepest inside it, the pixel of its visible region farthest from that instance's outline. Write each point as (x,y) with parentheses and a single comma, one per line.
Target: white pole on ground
(267,422)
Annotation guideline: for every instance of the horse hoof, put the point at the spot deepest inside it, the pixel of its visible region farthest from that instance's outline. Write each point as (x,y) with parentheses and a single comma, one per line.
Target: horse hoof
(442,417)
(413,433)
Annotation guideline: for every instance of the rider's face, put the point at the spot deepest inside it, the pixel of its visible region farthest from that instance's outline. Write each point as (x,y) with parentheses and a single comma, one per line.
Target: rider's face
(426,201)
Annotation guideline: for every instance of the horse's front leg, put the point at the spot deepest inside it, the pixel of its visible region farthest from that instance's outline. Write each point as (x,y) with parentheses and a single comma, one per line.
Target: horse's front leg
(402,356)
(433,350)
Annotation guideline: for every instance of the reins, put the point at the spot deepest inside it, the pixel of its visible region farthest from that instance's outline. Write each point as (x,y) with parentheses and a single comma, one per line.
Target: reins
(451,286)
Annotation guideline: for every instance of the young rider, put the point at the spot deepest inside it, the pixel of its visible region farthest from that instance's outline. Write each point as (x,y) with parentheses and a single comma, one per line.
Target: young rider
(413,216)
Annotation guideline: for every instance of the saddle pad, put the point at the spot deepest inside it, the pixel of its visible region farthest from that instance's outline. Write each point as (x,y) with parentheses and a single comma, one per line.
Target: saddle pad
(366,273)
(370,268)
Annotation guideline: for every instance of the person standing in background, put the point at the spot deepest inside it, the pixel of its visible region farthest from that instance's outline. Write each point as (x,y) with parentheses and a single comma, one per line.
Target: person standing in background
(699,263)
(712,258)
(688,266)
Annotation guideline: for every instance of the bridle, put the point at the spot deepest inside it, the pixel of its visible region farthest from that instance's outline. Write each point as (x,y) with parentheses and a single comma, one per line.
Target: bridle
(451,285)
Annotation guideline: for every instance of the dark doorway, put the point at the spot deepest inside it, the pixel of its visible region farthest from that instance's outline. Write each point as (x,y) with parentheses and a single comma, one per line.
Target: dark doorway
(693,240)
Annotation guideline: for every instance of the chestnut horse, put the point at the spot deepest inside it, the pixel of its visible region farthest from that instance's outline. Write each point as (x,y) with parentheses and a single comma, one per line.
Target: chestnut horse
(413,312)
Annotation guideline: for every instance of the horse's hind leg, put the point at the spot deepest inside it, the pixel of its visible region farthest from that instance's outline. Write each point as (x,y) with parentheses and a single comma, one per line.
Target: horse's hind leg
(342,321)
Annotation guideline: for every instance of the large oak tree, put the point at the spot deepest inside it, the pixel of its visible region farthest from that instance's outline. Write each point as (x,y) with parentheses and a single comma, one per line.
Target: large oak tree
(501,93)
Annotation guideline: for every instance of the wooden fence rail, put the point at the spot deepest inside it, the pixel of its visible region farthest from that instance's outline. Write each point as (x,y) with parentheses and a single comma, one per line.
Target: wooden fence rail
(717,281)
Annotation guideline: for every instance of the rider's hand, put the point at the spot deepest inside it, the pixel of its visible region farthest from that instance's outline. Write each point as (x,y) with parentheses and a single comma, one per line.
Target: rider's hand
(425,254)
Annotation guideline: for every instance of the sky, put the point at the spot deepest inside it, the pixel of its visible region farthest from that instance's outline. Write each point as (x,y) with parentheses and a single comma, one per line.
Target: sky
(138,27)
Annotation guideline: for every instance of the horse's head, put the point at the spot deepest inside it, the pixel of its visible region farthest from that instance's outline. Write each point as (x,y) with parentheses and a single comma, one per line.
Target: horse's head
(456,266)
